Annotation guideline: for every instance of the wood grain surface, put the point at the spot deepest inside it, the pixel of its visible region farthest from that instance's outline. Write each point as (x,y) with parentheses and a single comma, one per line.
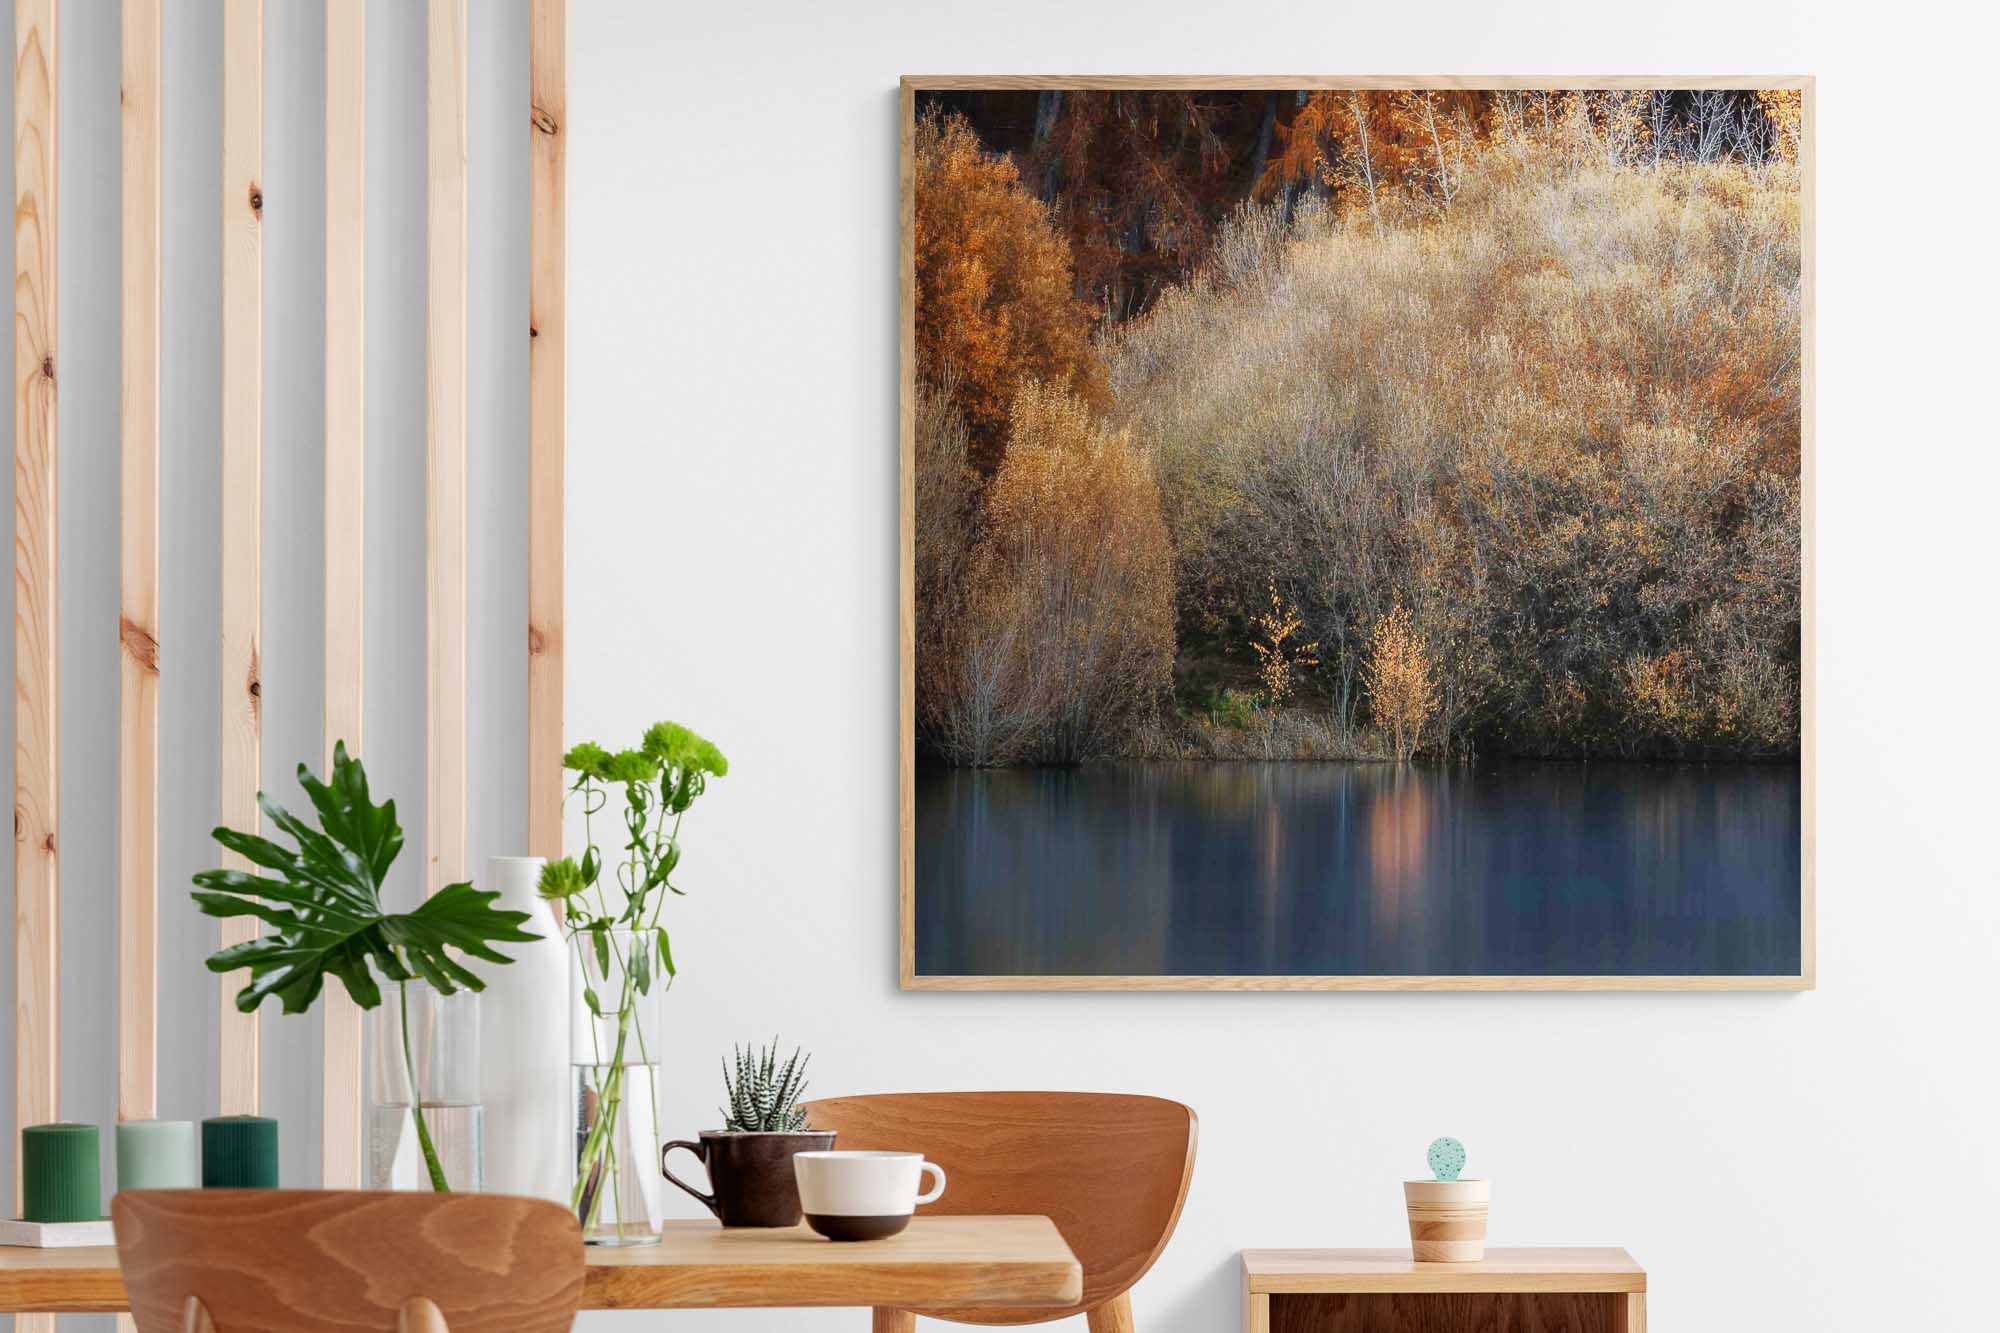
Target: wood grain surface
(330,1261)
(1392,1270)
(346,396)
(937,1262)
(139,559)
(1112,1171)
(548,138)
(37,913)
(242,686)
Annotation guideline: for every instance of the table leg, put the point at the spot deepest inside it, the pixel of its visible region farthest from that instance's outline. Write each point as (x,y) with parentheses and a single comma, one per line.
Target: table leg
(894,1321)
(1256,1312)
(1629,1315)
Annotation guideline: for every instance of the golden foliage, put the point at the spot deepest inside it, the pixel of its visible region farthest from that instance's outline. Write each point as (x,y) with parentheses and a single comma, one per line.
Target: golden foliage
(1402,693)
(1279,660)
(1067,636)
(1558,422)
(995,301)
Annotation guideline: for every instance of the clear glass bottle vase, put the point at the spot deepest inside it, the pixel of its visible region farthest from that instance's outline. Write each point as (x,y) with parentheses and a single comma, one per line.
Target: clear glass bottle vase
(615,994)
(438,1041)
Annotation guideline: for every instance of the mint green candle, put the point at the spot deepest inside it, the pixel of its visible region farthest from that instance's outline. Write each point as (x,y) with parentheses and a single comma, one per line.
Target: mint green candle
(158,1155)
(59,1174)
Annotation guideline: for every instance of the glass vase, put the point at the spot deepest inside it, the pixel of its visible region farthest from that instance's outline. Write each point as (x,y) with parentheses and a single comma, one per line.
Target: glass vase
(615,993)
(437,1042)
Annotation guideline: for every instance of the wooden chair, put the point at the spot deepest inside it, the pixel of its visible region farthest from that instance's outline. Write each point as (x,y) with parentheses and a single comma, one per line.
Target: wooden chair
(346,1261)
(1111,1170)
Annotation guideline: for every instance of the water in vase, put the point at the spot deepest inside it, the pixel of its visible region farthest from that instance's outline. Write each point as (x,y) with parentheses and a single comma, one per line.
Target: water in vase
(618,1190)
(396,1156)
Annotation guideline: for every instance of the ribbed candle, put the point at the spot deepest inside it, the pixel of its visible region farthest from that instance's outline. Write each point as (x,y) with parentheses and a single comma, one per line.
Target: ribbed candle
(59,1174)
(239,1152)
(158,1155)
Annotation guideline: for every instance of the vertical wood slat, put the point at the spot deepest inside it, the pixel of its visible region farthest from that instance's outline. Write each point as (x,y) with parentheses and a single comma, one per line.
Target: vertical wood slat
(445,760)
(36,918)
(242,410)
(346,81)
(548,76)
(139,560)
(139,563)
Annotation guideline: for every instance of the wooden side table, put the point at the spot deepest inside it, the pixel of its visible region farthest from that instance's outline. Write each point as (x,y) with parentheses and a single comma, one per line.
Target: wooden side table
(1385,1291)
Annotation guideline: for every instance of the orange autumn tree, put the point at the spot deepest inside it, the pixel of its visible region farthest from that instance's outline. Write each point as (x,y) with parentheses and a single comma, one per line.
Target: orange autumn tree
(996,303)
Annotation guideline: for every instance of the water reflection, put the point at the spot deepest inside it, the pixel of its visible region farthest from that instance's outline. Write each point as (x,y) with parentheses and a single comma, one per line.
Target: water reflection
(1359,869)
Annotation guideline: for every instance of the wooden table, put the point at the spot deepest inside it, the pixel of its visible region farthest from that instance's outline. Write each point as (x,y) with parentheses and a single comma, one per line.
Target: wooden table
(940,1262)
(1324,1291)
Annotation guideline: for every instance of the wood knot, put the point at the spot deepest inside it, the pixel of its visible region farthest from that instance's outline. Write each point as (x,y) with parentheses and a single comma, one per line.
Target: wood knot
(140,646)
(49,844)
(537,642)
(17,823)
(543,121)
(49,368)
(257,200)
(534,332)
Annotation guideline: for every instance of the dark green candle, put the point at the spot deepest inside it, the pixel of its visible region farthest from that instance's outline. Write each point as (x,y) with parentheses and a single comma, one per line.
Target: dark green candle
(59,1174)
(239,1152)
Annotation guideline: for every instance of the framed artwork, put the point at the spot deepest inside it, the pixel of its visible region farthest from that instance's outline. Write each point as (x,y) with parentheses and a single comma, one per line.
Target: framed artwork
(1356,533)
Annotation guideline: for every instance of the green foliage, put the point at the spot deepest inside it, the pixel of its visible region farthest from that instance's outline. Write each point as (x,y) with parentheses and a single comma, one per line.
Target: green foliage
(1237,709)
(324,909)
(762,1094)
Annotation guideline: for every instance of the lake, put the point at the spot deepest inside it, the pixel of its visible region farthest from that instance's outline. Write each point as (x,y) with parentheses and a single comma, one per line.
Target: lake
(1327,869)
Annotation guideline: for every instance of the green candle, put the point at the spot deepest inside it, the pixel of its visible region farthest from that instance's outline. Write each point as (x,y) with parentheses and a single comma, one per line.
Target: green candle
(239,1152)
(158,1155)
(59,1174)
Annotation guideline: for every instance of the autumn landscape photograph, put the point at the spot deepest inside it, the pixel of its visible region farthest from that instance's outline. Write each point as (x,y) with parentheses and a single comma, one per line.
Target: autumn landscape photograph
(1358,533)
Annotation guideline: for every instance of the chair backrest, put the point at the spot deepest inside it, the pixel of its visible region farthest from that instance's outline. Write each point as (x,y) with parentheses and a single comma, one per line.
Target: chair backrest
(1111,1170)
(347,1261)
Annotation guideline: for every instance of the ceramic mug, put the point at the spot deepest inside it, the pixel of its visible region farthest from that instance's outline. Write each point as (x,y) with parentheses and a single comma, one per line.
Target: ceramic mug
(862,1195)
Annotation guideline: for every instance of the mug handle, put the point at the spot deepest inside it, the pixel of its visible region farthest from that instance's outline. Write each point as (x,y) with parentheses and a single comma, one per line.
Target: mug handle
(707,1200)
(936,1193)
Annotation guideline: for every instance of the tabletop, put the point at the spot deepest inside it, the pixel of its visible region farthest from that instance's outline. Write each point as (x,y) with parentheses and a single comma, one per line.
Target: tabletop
(1607,1269)
(937,1263)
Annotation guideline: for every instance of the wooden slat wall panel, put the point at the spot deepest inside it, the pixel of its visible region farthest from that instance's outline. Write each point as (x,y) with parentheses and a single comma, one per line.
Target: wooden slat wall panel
(36,918)
(242,410)
(139,561)
(445,510)
(549,75)
(548,79)
(346,81)
(139,564)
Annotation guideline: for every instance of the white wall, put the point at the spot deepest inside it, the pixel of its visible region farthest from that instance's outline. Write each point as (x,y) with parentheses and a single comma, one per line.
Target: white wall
(1818,1161)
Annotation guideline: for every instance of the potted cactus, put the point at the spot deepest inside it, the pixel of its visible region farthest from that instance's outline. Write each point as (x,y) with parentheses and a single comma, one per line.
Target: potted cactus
(1447,1214)
(749,1159)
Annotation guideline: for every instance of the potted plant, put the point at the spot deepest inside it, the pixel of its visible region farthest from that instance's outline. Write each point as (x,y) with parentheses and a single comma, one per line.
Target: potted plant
(1447,1215)
(324,917)
(749,1159)
(621,964)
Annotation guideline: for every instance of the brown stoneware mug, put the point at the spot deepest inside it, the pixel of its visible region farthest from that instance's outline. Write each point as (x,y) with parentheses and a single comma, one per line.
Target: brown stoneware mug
(750,1174)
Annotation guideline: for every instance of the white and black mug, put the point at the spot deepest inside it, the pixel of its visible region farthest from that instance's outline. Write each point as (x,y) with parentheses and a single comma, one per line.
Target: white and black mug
(862,1195)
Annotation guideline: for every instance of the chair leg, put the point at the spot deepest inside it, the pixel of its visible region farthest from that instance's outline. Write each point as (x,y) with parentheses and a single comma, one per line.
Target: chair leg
(1114,1316)
(894,1321)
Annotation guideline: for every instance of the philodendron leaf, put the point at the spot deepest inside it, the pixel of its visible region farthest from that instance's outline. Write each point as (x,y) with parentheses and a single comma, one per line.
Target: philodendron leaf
(324,910)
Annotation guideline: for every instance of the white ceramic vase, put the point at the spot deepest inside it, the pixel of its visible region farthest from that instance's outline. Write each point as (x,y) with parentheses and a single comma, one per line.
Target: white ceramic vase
(525,1039)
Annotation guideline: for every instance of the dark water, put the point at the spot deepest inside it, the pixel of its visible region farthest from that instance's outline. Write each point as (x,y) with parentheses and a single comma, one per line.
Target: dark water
(1331,869)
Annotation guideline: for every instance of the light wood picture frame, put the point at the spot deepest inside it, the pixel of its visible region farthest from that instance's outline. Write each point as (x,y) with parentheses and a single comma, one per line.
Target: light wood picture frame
(986,922)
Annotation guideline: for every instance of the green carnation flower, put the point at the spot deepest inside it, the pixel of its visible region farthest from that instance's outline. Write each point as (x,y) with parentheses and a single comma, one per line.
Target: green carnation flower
(631,766)
(588,758)
(674,746)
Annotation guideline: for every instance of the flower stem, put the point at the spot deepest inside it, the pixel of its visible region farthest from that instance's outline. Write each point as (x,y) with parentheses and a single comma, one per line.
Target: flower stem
(431,1162)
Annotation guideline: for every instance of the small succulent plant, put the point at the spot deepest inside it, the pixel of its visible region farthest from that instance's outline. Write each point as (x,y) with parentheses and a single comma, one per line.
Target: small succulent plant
(1447,1158)
(763,1095)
